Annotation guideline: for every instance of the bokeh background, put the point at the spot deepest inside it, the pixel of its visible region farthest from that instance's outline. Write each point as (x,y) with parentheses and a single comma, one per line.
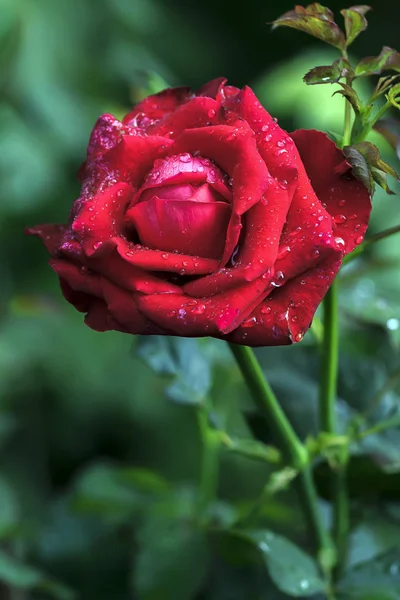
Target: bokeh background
(88,436)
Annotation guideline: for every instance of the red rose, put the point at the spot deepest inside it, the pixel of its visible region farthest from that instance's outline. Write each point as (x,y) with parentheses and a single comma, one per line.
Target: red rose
(200,216)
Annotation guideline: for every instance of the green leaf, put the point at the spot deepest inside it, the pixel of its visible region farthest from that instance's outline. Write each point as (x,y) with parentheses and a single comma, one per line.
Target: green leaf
(351,95)
(368,166)
(114,491)
(184,358)
(172,559)
(354,21)
(291,569)
(378,577)
(390,130)
(20,576)
(328,73)
(359,167)
(315,19)
(393,96)
(387,60)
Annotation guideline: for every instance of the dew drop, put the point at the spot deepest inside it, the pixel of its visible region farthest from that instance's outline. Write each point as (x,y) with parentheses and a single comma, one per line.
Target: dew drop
(268,137)
(283,251)
(249,322)
(198,310)
(359,239)
(315,253)
(185,158)
(211,113)
(172,313)
(265,309)
(281,143)
(342,202)
(340,241)
(265,128)
(339,219)
(165,256)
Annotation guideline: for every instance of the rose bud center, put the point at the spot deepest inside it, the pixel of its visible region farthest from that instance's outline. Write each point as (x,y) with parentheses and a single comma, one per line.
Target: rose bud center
(183,206)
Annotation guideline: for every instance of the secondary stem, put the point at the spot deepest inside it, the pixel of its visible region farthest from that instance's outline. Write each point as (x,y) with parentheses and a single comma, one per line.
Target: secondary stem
(292,447)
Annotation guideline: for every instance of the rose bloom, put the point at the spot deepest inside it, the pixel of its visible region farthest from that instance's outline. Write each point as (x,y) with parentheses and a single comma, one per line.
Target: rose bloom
(200,216)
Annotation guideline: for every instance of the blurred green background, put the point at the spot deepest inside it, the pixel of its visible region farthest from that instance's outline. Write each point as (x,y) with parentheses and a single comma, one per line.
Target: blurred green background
(96,461)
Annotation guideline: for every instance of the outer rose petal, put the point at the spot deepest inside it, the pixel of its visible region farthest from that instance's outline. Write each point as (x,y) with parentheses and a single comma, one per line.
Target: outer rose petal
(287,313)
(98,220)
(78,278)
(123,306)
(126,162)
(51,235)
(218,315)
(197,112)
(157,106)
(346,198)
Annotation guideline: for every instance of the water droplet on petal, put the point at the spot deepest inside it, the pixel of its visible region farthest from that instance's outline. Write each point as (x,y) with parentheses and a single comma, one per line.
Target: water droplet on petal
(339,219)
(265,128)
(315,253)
(265,309)
(359,239)
(339,241)
(185,158)
(198,310)
(249,322)
(211,113)
(268,137)
(342,202)
(283,251)
(165,256)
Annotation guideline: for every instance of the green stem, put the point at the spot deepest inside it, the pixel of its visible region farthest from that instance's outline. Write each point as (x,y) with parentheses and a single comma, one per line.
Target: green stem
(371,240)
(293,449)
(330,361)
(210,463)
(327,401)
(365,131)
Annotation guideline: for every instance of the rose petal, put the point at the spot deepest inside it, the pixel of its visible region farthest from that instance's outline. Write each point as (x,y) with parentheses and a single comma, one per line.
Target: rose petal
(287,313)
(197,112)
(51,235)
(158,260)
(181,170)
(212,88)
(98,220)
(206,316)
(274,144)
(127,162)
(187,227)
(346,198)
(127,276)
(159,105)
(235,151)
(79,278)
(123,307)
(98,317)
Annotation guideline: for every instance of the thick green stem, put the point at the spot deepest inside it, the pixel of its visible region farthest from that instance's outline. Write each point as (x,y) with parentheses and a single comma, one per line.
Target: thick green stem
(210,463)
(327,402)
(292,447)
(330,361)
